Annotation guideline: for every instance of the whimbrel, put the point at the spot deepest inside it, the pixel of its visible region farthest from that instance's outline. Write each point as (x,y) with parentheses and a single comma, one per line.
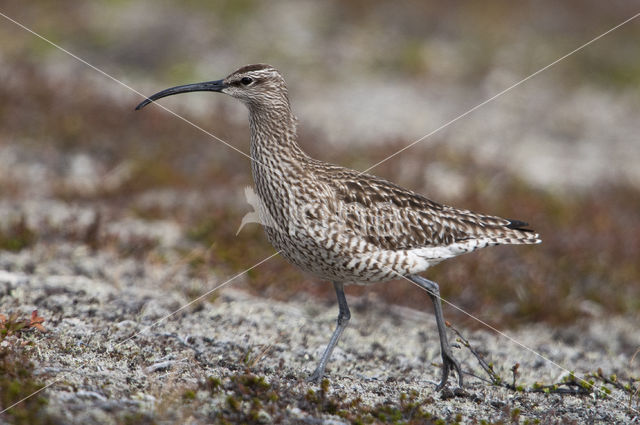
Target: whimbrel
(345,226)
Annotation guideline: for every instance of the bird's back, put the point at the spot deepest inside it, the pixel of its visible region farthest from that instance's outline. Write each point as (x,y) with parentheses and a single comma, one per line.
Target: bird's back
(415,220)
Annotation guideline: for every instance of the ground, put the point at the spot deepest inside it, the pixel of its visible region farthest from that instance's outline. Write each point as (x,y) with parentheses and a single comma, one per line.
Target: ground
(118,350)
(127,295)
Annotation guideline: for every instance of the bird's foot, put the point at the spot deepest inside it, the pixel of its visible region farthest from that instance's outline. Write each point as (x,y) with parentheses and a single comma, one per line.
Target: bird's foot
(316,376)
(449,363)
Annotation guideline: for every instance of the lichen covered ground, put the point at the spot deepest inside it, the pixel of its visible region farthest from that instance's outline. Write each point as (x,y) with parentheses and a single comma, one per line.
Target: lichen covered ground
(116,352)
(119,227)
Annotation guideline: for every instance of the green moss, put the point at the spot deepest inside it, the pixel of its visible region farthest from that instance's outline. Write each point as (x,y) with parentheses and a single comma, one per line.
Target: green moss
(213,384)
(233,403)
(411,59)
(137,418)
(311,396)
(189,395)
(18,382)
(249,398)
(17,236)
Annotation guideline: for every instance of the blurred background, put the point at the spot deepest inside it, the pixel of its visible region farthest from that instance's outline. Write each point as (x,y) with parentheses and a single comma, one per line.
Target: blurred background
(80,168)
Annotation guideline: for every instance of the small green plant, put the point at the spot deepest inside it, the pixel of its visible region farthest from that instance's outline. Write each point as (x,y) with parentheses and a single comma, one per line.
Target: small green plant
(17,382)
(17,236)
(12,325)
(569,384)
(249,398)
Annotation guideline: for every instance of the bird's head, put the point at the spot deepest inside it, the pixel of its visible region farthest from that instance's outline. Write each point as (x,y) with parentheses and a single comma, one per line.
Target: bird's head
(258,86)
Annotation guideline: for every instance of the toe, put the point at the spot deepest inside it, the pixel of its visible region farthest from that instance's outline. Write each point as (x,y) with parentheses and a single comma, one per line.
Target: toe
(315,377)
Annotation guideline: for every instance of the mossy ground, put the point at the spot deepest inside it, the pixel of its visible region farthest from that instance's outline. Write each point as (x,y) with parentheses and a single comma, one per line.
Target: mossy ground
(61,226)
(17,378)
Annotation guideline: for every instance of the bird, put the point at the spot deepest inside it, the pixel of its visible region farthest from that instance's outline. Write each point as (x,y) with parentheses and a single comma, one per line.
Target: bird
(345,226)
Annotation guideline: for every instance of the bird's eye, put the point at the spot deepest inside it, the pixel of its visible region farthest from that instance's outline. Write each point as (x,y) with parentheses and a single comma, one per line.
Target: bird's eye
(246,81)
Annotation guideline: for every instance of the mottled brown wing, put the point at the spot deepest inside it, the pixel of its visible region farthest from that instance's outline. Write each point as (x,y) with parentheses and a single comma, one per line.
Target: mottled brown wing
(392,217)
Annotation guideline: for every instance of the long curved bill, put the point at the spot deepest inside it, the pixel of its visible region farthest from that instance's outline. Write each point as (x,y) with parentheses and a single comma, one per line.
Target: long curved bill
(217,86)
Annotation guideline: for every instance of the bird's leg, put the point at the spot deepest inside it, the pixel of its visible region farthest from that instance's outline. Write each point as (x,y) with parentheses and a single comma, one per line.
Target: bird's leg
(343,320)
(448,362)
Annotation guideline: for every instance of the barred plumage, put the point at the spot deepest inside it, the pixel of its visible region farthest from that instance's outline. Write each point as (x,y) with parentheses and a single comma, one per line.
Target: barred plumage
(342,225)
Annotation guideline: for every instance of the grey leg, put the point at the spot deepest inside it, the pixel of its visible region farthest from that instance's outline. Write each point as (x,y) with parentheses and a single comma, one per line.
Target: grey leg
(448,362)
(343,320)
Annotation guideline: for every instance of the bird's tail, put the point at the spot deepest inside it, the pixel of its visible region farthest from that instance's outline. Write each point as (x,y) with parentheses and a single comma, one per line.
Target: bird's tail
(516,232)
